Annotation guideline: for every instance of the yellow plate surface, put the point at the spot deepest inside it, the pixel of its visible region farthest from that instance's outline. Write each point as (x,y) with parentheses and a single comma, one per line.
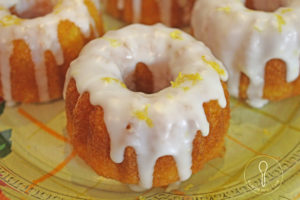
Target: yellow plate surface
(269,137)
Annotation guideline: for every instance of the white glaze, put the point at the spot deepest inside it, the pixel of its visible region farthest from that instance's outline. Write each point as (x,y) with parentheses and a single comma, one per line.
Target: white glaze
(246,40)
(9,3)
(175,114)
(165,11)
(165,7)
(137,7)
(186,10)
(121,4)
(41,35)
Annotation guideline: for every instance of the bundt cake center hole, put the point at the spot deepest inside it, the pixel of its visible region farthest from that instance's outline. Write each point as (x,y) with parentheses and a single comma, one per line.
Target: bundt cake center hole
(265,5)
(33,9)
(149,79)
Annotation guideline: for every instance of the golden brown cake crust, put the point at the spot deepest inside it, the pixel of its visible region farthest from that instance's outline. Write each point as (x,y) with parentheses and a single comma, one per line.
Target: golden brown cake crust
(23,81)
(23,84)
(276,87)
(150,12)
(89,136)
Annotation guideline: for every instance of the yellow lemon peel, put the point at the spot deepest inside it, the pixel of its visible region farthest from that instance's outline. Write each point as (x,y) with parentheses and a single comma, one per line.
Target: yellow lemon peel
(286,10)
(58,7)
(10,20)
(281,22)
(110,79)
(170,96)
(226,9)
(176,35)
(113,42)
(257,29)
(143,115)
(182,78)
(214,65)
(186,89)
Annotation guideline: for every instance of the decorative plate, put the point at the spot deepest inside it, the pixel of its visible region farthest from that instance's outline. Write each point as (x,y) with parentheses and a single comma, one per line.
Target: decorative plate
(262,158)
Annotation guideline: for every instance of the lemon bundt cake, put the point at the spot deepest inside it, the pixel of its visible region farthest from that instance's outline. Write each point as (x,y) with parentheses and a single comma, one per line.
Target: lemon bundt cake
(175,13)
(258,42)
(146,105)
(39,39)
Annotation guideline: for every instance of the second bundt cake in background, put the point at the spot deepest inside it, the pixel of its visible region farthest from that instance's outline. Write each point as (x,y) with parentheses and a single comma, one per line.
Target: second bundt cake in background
(39,39)
(258,42)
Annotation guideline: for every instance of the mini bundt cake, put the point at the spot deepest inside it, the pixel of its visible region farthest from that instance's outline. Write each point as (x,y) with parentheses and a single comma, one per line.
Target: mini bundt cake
(39,39)
(175,13)
(147,105)
(258,42)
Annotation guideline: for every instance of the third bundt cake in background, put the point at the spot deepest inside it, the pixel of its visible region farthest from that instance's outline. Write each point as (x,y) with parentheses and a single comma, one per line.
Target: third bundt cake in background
(175,13)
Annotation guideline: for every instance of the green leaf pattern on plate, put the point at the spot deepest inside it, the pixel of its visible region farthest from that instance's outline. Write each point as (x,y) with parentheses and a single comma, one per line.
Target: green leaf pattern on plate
(5,143)
(2,105)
